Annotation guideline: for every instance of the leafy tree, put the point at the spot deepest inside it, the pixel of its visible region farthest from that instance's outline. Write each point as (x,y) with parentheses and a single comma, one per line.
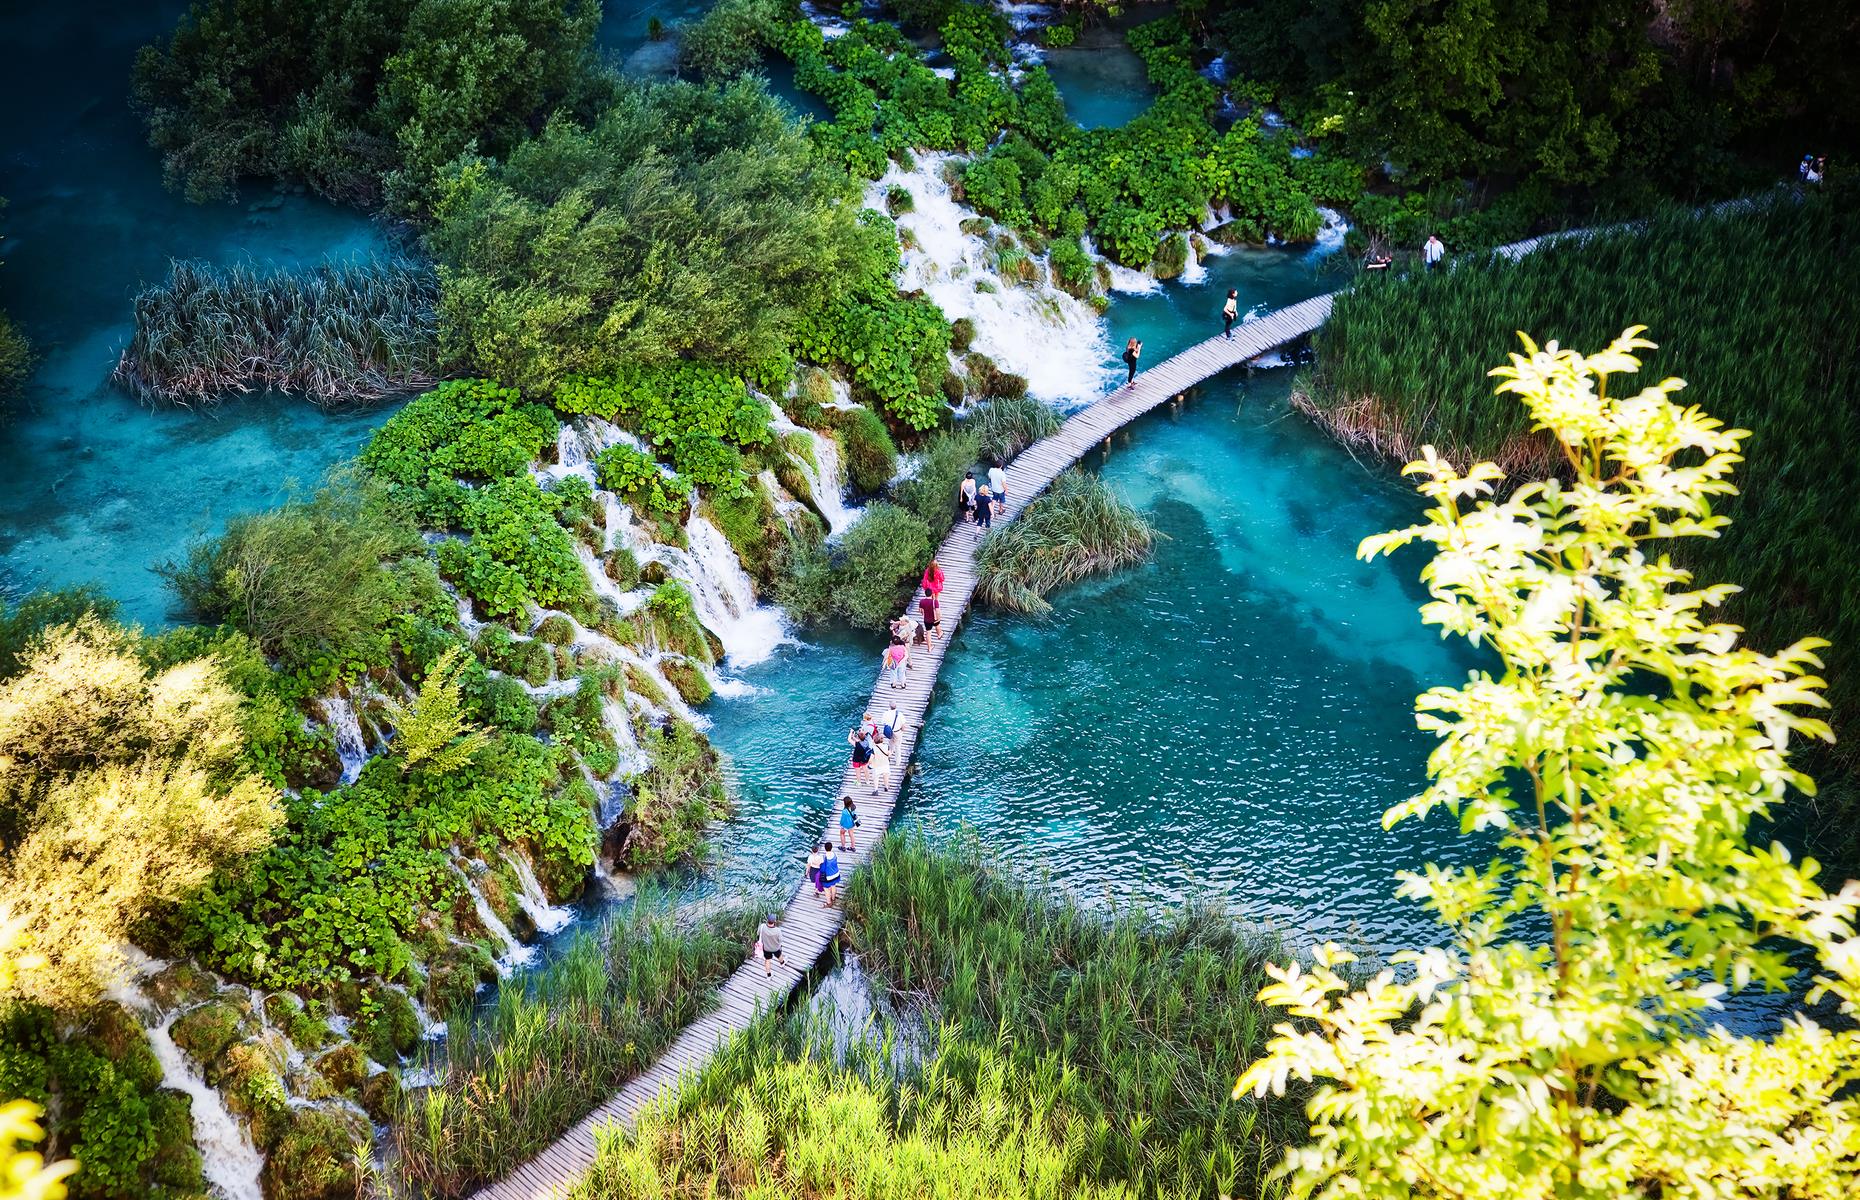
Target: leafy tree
(728,39)
(1579,1062)
(120,789)
(433,732)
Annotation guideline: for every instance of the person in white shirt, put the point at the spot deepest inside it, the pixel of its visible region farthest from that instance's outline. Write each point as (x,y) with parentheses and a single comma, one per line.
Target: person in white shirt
(1433,251)
(997,483)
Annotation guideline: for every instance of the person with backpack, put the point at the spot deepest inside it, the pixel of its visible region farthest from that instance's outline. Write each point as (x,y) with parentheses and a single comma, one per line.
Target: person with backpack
(828,883)
(849,821)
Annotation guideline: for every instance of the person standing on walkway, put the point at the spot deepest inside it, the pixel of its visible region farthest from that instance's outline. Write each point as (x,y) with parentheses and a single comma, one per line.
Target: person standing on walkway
(997,483)
(1230,312)
(966,500)
(849,821)
(861,754)
(888,727)
(813,867)
(881,767)
(927,610)
(932,580)
(768,945)
(1432,251)
(828,885)
(1133,350)
(985,509)
(891,663)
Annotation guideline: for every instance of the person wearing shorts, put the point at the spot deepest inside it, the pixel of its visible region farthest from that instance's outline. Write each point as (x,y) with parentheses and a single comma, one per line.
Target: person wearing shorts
(813,867)
(861,754)
(768,946)
(927,609)
(997,483)
(849,821)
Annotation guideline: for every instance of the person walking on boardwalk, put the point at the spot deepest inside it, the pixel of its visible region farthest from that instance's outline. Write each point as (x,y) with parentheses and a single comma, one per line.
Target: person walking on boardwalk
(1230,312)
(932,580)
(861,754)
(1433,251)
(828,884)
(1133,350)
(927,611)
(997,483)
(888,727)
(813,867)
(849,821)
(881,767)
(965,497)
(985,509)
(768,945)
(891,663)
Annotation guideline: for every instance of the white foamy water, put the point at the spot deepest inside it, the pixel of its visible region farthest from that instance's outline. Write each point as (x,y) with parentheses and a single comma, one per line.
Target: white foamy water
(548,918)
(1057,342)
(227,1156)
(723,594)
(515,953)
(1330,234)
(1194,271)
(1125,279)
(826,479)
(351,746)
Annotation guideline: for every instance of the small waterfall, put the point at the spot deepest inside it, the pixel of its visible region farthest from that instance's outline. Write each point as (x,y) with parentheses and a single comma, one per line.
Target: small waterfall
(1125,279)
(351,746)
(230,1160)
(620,724)
(723,594)
(548,917)
(1330,235)
(1194,271)
(826,479)
(1056,341)
(515,953)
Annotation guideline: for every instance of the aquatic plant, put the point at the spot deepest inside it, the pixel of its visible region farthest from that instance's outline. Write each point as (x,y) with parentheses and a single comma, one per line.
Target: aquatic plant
(557,1043)
(1397,366)
(1006,426)
(1078,528)
(1561,1042)
(339,334)
(875,563)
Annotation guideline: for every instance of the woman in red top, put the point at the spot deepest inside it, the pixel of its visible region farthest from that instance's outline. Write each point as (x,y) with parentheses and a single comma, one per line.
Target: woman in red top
(933,579)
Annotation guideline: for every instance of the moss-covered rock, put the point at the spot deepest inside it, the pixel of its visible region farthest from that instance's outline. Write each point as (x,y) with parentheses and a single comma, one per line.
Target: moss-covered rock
(381,1093)
(688,679)
(206,1031)
(454,978)
(1171,257)
(961,334)
(317,1156)
(344,1067)
(175,1168)
(249,1082)
(119,1036)
(749,523)
(641,683)
(179,985)
(387,1027)
(871,455)
(623,568)
(556,629)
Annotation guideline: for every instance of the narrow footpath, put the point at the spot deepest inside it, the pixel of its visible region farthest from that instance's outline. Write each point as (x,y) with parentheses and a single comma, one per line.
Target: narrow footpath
(807,927)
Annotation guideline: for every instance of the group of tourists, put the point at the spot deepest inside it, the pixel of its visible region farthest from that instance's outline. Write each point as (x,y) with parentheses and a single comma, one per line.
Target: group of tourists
(1813,169)
(978,504)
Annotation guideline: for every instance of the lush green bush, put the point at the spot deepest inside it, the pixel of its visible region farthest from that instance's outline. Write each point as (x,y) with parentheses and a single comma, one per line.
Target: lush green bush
(355,99)
(749,522)
(23,620)
(675,800)
(635,476)
(877,561)
(930,493)
(515,553)
(1078,528)
(470,428)
(871,455)
(1396,368)
(338,334)
(1005,427)
(683,223)
(561,1042)
(729,38)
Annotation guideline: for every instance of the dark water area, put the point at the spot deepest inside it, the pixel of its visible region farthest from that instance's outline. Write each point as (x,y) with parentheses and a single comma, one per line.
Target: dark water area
(94,487)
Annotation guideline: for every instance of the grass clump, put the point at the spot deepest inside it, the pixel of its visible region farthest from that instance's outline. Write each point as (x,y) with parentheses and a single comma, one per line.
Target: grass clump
(1079,528)
(338,334)
(554,1046)
(1005,427)
(871,455)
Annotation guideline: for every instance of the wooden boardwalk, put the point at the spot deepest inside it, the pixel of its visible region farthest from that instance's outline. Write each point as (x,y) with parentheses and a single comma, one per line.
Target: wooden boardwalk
(807,927)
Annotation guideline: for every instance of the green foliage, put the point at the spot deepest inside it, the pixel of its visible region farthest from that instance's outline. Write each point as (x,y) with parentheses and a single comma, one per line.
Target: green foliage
(575,721)
(672,622)
(516,553)
(1396,369)
(683,223)
(871,455)
(307,581)
(24,620)
(1621,750)
(729,38)
(470,428)
(749,522)
(548,1052)
(698,416)
(1005,427)
(1078,528)
(342,333)
(16,358)
(930,493)
(433,732)
(358,875)
(101,1079)
(635,477)
(877,561)
(674,800)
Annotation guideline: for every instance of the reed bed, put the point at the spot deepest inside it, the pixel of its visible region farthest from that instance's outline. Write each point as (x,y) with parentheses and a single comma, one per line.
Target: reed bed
(1756,309)
(555,1045)
(1007,426)
(1078,1054)
(1079,528)
(340,334)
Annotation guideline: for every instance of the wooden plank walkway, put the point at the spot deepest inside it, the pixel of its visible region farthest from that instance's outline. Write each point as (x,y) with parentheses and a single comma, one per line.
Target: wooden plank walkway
(807,927)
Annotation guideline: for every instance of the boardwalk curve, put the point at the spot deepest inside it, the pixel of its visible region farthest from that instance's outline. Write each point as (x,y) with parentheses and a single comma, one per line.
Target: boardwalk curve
(808,928)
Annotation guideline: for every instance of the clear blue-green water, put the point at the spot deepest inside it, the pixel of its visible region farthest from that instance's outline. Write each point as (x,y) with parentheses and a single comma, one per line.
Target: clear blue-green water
(96,487)
(1100,79)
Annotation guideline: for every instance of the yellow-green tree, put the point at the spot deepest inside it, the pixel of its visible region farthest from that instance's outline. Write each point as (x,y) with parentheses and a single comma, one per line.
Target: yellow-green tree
(120,789)
(433,731)
(1559,1044)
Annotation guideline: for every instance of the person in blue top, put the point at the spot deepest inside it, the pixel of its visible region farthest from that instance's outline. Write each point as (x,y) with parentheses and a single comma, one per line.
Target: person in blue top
(828,883)
(849,821)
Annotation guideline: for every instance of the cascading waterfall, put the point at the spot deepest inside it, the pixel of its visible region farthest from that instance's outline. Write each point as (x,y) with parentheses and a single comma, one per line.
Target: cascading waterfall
(351,746)
(229,1159)
(1035,330)
(548,918)
(1331,233)
(515,953)
(723,595)
(826,479)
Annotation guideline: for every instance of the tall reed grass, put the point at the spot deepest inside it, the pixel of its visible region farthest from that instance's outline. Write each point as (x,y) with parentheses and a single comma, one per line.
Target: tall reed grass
(1006,426)
(555,1045)
(1758,310)
(1079,528)
(1079,1054)
(339,334)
